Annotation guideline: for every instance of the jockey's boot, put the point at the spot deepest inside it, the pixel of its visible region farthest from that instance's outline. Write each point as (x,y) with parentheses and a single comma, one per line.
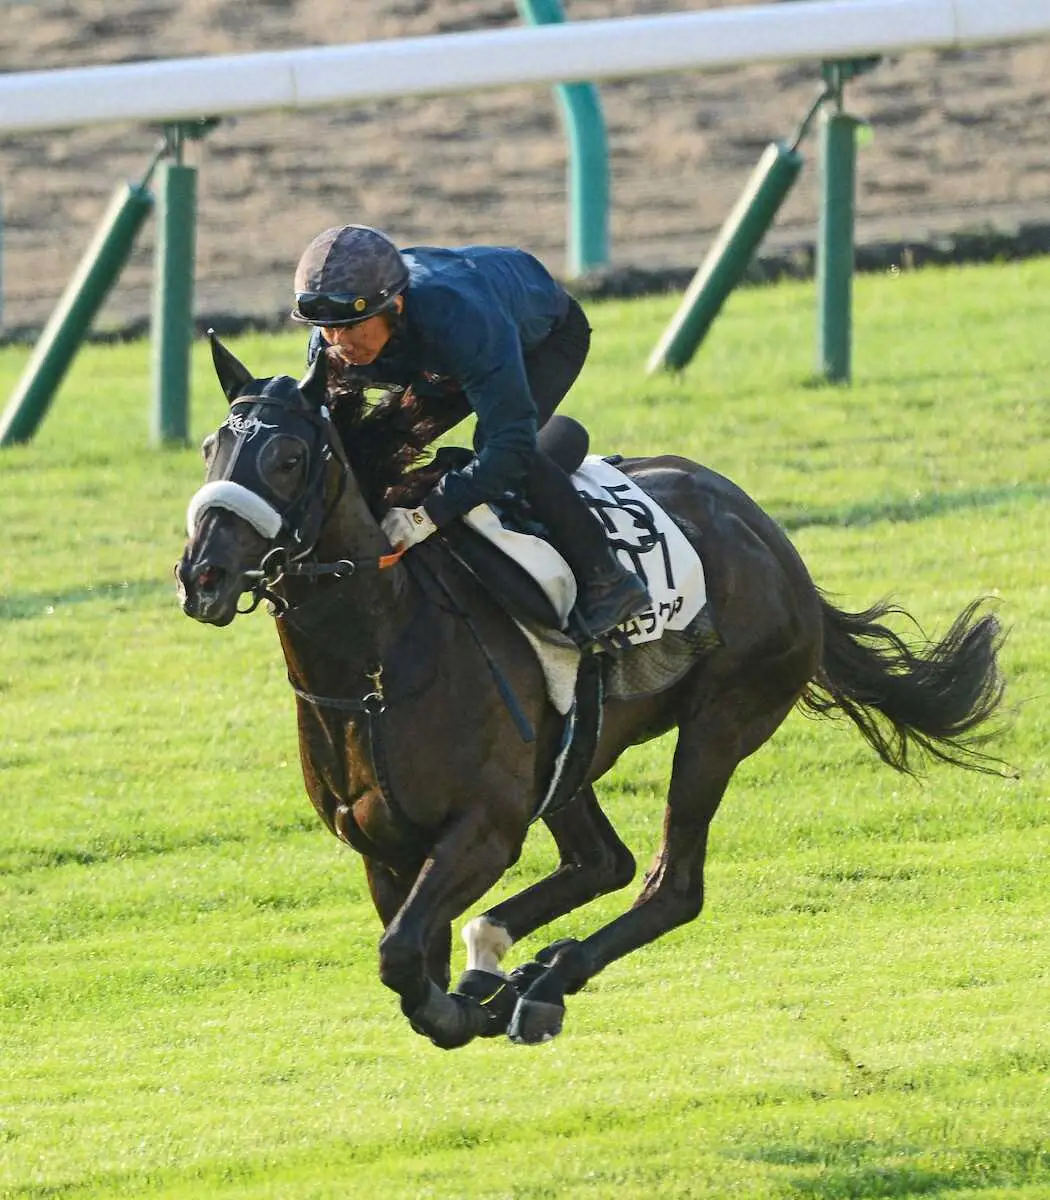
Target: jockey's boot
(608,593)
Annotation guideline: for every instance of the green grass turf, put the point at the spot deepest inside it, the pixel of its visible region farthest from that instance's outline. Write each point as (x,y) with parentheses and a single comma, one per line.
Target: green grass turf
(189,1003)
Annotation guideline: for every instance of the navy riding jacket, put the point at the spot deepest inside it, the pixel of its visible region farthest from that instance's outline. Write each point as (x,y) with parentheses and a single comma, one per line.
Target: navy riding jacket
(470,316)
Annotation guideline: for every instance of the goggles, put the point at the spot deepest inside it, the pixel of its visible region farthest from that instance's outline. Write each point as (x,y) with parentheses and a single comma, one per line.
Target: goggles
(336,308)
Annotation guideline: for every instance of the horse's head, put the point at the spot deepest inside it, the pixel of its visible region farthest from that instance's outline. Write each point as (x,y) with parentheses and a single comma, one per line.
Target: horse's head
(263,502)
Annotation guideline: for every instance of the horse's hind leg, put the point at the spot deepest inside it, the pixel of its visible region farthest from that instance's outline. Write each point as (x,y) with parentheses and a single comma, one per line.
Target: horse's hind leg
(709,748)
(592,862)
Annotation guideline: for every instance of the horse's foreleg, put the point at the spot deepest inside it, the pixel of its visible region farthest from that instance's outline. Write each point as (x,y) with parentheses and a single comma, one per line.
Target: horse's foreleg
(389,891)
(468,858)
(593,861)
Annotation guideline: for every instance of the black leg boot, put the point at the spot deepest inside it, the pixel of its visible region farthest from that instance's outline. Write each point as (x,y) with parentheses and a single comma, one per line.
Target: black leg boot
(608,592)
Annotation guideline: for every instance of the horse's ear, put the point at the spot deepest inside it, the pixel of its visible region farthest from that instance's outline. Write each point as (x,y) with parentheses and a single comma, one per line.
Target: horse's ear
(314,384)
(233,375)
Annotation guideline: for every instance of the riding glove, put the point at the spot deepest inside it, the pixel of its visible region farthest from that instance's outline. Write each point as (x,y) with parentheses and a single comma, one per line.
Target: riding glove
(407,526)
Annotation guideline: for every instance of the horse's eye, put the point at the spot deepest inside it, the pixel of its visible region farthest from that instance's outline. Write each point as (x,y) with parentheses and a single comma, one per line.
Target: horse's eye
(281,460)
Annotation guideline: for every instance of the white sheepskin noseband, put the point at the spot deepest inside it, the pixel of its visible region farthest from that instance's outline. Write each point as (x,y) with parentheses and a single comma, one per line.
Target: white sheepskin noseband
(223,493)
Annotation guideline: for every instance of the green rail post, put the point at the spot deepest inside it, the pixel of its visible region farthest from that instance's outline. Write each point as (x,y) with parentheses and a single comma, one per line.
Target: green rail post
(726,261)
(76,309)
(838,172)
(588,241)
(835,234)
(172,316)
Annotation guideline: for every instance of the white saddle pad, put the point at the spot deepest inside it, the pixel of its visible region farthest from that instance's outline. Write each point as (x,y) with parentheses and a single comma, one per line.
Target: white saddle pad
(643,536)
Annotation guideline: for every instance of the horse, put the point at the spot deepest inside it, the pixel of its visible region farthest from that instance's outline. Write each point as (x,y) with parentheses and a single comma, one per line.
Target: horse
(412,683)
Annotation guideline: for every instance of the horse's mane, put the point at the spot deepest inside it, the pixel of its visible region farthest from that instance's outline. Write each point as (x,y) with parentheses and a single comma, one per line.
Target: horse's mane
(386,441)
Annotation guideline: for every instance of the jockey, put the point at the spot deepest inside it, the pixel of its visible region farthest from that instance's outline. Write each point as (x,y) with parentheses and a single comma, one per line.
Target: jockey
(484,329)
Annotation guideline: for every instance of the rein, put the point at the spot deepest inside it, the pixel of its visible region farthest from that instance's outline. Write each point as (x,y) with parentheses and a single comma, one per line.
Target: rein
(279,565)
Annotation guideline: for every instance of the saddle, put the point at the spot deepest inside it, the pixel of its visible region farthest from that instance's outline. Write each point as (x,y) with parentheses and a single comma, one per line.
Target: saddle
(508,552)
(505,549)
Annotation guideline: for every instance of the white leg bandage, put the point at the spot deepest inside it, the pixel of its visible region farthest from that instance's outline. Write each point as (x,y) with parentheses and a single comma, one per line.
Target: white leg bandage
(486,944)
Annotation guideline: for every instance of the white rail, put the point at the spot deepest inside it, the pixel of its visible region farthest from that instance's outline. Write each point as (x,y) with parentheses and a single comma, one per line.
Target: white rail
(181,89)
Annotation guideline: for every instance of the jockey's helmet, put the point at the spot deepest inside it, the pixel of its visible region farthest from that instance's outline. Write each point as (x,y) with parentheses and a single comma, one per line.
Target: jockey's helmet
(346,275)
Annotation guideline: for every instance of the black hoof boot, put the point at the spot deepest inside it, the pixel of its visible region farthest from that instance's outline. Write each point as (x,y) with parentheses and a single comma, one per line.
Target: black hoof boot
(535,1021)
(540,1012)
(548,954)
(609,598)
(523,977)
(496,994)
(449,1021)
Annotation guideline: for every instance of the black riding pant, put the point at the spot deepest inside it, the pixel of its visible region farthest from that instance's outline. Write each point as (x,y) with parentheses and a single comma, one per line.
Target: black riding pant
(551,369)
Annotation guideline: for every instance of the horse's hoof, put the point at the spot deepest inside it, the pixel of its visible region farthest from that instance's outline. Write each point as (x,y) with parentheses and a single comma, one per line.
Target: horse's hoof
(496,995)
(569,966)
(523,977)
(450,1021)
(547,955)
(535,1021)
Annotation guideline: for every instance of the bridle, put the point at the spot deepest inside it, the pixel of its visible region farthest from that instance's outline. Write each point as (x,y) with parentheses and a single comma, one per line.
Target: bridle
(237,484)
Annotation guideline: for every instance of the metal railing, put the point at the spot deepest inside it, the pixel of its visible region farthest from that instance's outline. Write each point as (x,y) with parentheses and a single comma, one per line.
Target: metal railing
(188,92)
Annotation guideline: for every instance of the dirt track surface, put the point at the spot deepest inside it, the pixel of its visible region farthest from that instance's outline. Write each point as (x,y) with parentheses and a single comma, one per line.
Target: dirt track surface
(960,143)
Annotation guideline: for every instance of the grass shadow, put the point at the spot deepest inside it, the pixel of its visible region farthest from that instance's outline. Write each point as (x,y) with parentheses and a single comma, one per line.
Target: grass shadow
(25,605)
(917,509)
(879,1170)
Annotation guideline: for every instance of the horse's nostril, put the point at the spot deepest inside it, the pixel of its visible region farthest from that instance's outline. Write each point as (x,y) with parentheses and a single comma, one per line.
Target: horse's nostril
(208,576)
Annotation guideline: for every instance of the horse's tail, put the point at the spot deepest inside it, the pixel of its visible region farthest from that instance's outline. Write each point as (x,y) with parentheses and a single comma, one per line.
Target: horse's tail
(932,695)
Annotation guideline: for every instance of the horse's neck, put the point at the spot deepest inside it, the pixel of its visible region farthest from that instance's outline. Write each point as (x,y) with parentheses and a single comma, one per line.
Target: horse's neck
(369,609)
(350,530)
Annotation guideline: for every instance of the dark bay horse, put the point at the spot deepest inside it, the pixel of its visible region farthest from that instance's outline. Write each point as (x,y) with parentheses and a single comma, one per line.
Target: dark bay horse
(411,753)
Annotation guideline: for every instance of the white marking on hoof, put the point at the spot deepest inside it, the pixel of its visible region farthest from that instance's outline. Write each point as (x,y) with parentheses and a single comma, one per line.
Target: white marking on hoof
(486,944)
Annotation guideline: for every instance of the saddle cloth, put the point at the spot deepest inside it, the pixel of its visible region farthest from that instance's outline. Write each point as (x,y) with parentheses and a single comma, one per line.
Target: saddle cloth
(643,536)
